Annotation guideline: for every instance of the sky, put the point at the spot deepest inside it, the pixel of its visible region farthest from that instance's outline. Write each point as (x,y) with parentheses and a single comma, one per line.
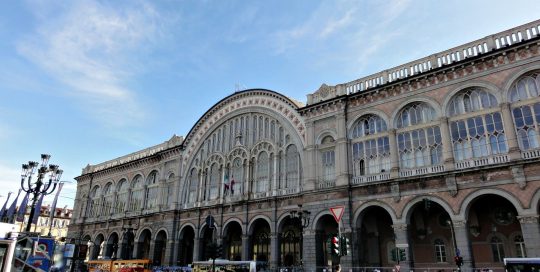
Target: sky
(90,81)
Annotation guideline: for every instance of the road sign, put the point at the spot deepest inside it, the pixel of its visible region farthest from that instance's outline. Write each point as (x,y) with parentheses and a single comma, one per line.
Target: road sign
(337,211)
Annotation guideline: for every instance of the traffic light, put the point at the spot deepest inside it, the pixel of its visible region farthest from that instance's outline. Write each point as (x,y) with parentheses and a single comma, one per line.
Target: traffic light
(334,246)
(399,255)
(345,245)
(211,251)
(402,255)
(458,260)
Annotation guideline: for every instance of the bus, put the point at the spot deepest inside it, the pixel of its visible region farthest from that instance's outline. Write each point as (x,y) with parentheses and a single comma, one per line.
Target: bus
(522,264)
(230,266)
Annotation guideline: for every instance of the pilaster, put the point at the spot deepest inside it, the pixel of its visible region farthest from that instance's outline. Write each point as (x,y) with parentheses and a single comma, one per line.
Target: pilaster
(402,241)
(530,229)
(394,156)
(510,132)
(463,244)
(448,155)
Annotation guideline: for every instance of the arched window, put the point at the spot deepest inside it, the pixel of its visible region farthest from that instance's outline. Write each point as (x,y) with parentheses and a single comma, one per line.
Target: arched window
(122,196)
(418,136)
(108,199)
(328,161)
(137,191)
(191,196)
(440,251)
(370,146)
(151,195)
(212,188)
(497,249)
(524,95)
(519,244)
(95,197)
(237,176)
(291,167)
(476,125)
(262,181)
(169,194)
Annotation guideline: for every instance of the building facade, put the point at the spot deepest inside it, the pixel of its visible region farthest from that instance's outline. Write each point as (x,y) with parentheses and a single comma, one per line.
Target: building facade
(58,228)
(437,157)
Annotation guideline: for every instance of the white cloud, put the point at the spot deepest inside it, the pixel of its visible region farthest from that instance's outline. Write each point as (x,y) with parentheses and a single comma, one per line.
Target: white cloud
(93,48)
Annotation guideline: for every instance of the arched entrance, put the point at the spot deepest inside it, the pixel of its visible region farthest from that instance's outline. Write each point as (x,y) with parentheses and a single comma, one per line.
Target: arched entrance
(431,237)
(326,227)
(494,231)
(232,242)
(290,233)
(160,245)
(376,237)
(187,239)
(143,245)
(112,246)
(260,241)
(128,244)
(99,245)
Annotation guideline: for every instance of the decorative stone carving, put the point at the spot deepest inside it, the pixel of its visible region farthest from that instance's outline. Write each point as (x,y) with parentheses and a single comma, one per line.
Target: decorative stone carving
(396,195)
(528,219)
(519,176)
(399,227)
(452,185)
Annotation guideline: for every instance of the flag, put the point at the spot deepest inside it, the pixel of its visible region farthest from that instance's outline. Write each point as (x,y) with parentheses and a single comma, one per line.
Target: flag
(226,183)
(11,209)
(22,208)
(232,184)
(37,210)
(53,206)
(4,207)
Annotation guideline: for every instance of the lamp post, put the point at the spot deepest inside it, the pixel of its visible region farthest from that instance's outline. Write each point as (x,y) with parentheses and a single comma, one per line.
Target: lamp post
(304,217)
(39,187)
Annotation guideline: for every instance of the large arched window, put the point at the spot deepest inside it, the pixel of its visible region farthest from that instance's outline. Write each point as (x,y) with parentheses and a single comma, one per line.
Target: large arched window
(476,125)
(370,146)
(122,196)
(291,167)
(137,193)
(108,199)
(497,249)
(191,195)
(524,96)
(237,176)
(263,175)
(95,196)
(151,195)
(418,136)
(519,244)
(328,162)
(212,187)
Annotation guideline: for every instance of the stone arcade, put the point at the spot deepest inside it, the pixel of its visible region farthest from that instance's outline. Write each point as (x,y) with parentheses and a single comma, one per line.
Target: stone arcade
(445,146)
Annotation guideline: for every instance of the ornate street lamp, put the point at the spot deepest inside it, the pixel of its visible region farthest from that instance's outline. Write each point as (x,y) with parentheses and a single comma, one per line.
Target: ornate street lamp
(39,187)
(304,217)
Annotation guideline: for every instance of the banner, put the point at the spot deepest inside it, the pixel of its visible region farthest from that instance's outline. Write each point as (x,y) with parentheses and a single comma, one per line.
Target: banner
(53,206)
(3,210)
(37,210)
(11,209)
(22,208)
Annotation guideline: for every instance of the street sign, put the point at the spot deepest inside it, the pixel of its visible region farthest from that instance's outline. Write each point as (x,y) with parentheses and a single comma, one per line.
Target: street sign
(402,245)
(337,211)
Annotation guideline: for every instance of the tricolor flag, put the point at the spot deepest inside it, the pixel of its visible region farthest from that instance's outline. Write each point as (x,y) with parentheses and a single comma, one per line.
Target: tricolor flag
(22,208)
(37,210)
(11,209)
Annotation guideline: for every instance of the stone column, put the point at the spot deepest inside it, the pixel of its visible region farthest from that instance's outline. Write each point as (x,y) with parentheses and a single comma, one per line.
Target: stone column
(463,243)
(275,175)
(201,188)
(402,241)
(394,154)
(169,251)
(245,248)
(510,132)
(448,154)
(309,250)
(274,257)
(151,250)
(342,176)
(196,248)
(128,200)
(310,169)
(530,229)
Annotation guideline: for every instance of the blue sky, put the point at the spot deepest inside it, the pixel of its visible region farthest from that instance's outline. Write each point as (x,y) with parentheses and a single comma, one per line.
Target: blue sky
(89,81)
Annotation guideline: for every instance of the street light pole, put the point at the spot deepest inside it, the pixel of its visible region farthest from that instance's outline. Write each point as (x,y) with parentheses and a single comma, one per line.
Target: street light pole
(304,217)
(39,187)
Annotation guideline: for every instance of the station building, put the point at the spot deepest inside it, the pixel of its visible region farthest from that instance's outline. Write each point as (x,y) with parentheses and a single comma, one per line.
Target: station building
(437,157)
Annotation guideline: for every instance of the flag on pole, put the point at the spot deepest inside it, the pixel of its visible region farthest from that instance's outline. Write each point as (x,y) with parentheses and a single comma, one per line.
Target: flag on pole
(37,210)
(53,206)
(4,207)
(232,184)
(226,184)
(11,209)
(22,208)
